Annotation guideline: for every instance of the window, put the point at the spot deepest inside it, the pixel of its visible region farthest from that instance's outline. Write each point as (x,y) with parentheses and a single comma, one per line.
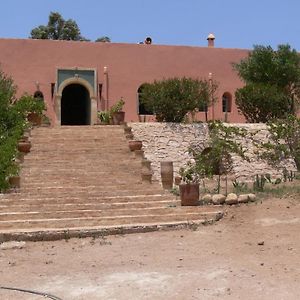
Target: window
(226,102)
(38,95)
(141,107)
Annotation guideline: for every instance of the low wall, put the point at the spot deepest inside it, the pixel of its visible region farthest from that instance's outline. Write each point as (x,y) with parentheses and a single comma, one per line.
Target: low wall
(171,141)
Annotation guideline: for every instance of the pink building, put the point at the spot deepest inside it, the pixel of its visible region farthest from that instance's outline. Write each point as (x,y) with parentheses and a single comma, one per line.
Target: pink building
(77,79)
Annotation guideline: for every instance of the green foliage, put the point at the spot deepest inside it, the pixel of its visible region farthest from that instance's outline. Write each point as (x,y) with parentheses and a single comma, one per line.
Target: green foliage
(171,99)
(239,187)
(272,83)
(27,104)
(216,158)
(190,174)
(259,183)
(261,102)
(284,141)
(103,39)
(118,106)
(58,29)
(12,124)
(105,116)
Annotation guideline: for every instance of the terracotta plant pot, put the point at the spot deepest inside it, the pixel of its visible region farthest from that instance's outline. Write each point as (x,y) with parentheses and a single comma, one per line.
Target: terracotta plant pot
(118,117)
(135,145)
(14,181)
(35,119)
(189,194)
(24,146)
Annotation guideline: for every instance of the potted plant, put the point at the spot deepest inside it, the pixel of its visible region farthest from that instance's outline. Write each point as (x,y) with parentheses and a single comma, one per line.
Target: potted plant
(189,189)
(116,112)
(104,117)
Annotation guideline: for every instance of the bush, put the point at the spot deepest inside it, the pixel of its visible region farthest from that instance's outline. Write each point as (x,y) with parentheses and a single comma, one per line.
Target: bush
(13,116)
(171,99)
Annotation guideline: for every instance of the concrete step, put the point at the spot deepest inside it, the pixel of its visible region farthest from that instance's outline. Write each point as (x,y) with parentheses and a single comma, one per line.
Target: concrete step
(68,223)
(95,213)
(27,199)
(99,205)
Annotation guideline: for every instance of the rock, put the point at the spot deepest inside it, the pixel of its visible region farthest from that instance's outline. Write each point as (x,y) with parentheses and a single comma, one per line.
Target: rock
(12,245)
(218,199)
(261,243)
(243,199)
(231,199)
(207,199)
(251,197)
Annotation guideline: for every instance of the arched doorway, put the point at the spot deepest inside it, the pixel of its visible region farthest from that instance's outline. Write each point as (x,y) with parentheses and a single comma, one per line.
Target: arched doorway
(75,105)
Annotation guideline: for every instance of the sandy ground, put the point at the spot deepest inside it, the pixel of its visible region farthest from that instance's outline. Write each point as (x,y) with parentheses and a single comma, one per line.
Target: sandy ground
(253,253)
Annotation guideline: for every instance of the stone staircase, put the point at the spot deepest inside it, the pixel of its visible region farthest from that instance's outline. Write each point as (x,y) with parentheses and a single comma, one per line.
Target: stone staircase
(84,181)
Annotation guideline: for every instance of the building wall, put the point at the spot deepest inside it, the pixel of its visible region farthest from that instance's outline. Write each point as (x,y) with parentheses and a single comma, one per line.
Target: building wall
(128,66)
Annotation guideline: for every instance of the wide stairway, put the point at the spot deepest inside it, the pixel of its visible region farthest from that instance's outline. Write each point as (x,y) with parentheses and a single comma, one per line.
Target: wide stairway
(84,181)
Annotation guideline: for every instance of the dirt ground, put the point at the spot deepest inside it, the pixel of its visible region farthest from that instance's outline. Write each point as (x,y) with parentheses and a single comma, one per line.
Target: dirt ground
(253,253)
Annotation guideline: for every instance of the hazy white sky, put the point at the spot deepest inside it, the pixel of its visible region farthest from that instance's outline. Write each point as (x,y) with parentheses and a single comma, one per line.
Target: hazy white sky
(235,23)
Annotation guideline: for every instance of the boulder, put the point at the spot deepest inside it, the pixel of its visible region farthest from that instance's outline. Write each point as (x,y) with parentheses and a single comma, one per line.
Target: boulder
(207,199)
(231,199)
(252,197)
(218,199)
(243,198)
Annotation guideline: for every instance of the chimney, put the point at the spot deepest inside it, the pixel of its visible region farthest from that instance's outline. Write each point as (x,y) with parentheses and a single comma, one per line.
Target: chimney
(211,40)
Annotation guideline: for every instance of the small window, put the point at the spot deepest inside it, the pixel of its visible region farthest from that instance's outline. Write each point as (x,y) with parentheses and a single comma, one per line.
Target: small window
(226,102)
(38,95)
(52,89)
(141,107)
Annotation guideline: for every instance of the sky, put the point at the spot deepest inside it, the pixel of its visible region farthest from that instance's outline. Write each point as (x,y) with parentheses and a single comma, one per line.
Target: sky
(235,23)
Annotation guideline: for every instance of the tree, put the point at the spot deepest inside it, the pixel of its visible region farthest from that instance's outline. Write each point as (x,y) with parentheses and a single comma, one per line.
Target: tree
(103,39)
(272,78)
(261,102)
(58,29)
(171,99)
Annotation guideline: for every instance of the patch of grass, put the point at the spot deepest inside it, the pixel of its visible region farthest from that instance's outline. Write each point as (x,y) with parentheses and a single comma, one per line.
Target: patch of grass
(280,191)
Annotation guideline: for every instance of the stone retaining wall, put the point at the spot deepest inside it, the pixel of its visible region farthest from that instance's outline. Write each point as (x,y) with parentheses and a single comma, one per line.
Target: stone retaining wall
(171,141)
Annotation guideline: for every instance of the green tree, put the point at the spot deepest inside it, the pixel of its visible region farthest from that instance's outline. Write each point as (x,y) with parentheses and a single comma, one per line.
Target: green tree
(171,99)
(58,29)
(103,39)
(262,102)
(271,76)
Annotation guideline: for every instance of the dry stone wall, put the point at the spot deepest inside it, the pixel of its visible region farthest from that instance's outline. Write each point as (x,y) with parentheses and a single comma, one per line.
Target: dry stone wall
(171,142)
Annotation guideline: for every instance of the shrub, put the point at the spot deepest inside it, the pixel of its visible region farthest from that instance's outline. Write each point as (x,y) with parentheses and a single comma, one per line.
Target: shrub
(13,116)
(171,99)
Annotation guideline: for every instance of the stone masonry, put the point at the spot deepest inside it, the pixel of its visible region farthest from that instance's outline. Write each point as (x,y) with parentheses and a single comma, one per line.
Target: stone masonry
(171,142)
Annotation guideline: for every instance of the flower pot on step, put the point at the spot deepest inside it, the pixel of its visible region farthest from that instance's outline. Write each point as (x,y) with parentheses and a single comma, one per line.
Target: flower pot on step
(14,181)
(118,117)
(189,194)
(135,145)
(24,146)
(34,118)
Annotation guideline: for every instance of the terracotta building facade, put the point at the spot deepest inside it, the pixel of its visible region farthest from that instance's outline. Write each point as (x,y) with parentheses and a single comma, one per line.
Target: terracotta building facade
(77,79)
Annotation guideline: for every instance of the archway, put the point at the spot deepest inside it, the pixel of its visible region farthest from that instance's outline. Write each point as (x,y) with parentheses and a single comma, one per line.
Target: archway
(75,105)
